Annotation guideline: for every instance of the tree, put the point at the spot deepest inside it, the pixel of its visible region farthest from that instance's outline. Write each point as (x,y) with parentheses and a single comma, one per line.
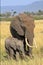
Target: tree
(14,13)
(40,12)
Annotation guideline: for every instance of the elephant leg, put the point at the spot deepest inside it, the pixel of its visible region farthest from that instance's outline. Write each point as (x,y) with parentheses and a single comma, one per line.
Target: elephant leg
(14,54)
(11,53)
(8,53)
(17,55)
(29,52)
(21,52)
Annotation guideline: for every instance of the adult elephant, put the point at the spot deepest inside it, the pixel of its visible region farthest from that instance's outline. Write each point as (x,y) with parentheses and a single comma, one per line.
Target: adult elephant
(22,27)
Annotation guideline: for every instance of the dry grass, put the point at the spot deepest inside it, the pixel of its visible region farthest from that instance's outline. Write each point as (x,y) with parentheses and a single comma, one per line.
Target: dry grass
(38,54)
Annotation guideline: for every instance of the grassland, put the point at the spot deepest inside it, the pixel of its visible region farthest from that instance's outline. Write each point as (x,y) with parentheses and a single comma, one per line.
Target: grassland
(36,17)
(38,53)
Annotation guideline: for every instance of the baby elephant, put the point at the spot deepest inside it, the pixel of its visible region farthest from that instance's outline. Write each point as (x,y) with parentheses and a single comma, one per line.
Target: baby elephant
(14,45)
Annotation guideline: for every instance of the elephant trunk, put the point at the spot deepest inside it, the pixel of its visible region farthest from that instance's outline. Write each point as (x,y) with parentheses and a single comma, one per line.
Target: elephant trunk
(29,44)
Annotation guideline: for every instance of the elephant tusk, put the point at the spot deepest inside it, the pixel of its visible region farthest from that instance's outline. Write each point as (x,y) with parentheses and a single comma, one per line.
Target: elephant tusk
(29,44)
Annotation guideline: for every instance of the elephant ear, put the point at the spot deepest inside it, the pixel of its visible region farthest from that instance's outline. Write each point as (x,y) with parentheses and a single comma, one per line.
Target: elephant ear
(16,26)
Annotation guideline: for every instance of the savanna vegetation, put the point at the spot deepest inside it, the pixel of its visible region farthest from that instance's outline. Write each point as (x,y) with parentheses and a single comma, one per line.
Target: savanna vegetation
(37,52)
(8,16)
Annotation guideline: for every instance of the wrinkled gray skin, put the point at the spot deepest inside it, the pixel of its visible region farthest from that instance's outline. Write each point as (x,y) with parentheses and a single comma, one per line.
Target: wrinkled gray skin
(14,45)
(23,27)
